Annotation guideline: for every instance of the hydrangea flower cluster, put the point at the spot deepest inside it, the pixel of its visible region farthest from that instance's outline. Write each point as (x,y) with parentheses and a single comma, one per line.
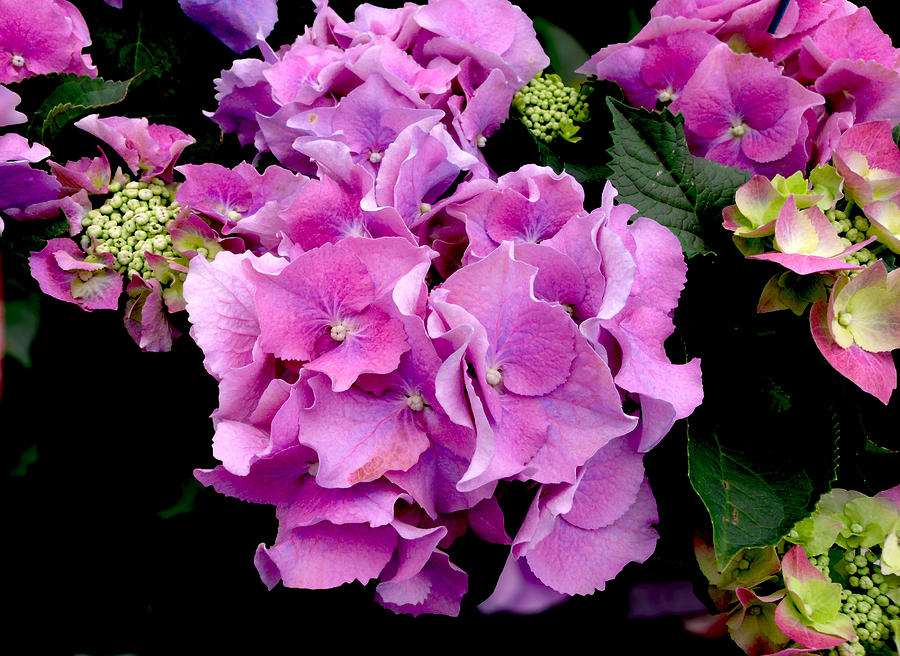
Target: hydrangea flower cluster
(768,95)
(128,235)
(407,338)
(550,109)
(356,85)
(830,587)
(828,232)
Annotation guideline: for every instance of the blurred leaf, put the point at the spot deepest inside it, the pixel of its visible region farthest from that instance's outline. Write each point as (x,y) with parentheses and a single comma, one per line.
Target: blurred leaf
(185,504)
(77,96)
(21,324)
(565,53)
(655,172)
(635,24)
(29,457)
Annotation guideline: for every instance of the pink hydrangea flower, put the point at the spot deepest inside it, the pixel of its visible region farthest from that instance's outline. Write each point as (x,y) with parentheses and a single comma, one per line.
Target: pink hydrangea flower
(868,160)
(656,64)
(63,272)
(147,149)
(741,111)
(858,327)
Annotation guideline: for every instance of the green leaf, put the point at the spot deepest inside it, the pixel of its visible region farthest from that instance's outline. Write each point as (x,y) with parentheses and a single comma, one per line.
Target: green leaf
(655,172)
(185,504)
(565,53)
(29,457)
(77,96)
(753,498)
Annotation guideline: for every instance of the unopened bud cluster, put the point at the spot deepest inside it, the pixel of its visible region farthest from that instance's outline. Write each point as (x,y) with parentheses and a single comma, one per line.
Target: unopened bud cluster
(866,602)
(550,109)
(131,222)
(852,231)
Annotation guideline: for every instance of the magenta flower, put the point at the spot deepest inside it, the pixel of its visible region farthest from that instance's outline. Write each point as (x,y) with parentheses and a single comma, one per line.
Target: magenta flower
(859,326)
(41,37)
(494,33)
(528,205)
(541,400)
(656,64)
(607,513)
(65,273)
(147,149)
(741,111)
(331,307)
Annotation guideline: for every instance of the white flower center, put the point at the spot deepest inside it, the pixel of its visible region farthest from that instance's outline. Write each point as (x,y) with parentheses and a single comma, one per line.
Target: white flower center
(416,402)
(738,129)
(375,157)
(481,141)
(339,332)
(313,468)
(18,61)
(424,208)
(493,377)
(666,94)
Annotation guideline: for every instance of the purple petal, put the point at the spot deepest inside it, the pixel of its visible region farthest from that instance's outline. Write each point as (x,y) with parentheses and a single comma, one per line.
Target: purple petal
(239,24)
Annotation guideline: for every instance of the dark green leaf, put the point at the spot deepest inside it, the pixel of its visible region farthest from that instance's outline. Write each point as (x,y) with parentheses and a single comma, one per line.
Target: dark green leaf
(77,96)
(185,504)
(752,502)
(655,172)
(29,457)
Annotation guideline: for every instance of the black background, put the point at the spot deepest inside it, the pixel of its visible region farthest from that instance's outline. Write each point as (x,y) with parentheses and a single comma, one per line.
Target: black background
(93,567)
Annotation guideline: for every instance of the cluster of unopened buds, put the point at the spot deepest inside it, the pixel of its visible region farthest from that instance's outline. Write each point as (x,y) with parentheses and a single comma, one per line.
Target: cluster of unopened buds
(832,585)
(550,109)
(134,220)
